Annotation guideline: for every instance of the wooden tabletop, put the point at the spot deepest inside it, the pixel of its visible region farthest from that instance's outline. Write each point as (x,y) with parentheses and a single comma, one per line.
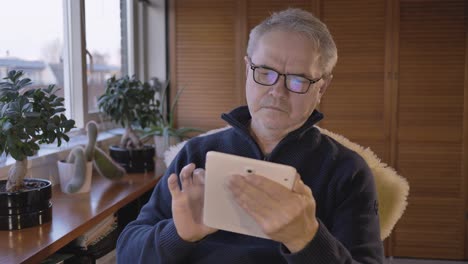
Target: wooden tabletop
(72,215)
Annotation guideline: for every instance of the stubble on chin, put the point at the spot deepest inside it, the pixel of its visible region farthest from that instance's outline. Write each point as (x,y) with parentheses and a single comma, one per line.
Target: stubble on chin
(272,119)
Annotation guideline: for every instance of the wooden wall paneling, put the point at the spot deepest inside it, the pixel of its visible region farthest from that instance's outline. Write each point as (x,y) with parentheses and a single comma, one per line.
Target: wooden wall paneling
(172,52)
(316,8)
(465,133)
(258,10)
(205,61)
(241,49)
(393,20)
(429,228)
(430,126)
(391,78)
(354,104)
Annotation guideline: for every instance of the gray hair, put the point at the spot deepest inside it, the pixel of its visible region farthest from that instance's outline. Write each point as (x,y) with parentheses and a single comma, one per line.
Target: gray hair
(303,22)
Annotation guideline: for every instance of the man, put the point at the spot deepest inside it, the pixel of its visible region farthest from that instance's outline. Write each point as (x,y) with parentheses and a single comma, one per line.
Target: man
(328,217)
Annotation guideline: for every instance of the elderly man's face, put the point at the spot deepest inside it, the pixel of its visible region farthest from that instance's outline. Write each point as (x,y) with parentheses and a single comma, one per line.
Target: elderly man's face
(274,107)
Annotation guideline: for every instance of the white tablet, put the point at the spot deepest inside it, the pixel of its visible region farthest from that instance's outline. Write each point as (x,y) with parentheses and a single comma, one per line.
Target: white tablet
(220,210)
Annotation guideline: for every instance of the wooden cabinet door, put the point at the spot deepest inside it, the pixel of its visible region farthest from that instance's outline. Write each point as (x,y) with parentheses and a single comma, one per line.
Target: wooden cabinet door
(431,58)
(203,51)
(258,10)
(355,105)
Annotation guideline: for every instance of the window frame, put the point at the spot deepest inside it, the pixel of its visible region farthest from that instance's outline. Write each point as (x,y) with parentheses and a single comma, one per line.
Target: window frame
(75,68)
(74,61)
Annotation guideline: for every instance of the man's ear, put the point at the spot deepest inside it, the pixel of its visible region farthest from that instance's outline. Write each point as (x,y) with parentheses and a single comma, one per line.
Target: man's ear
(326,83)
(247,65)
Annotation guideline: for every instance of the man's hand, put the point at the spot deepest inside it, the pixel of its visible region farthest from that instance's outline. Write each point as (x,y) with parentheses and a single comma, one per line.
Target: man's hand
(285,216)
(187,204)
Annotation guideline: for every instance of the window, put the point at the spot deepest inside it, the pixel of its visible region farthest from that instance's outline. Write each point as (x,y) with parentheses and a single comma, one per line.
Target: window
(45,40)
(32,40)
(48,40)
(103,45)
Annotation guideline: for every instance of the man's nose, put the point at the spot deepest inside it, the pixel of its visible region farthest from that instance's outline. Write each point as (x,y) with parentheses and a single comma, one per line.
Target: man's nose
(279,88)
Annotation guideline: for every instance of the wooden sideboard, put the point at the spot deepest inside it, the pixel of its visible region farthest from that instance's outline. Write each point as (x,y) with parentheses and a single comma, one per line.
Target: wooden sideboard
(73,215)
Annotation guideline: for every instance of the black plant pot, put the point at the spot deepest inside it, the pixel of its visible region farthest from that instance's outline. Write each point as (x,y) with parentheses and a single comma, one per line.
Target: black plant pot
(135,160)
(26,208)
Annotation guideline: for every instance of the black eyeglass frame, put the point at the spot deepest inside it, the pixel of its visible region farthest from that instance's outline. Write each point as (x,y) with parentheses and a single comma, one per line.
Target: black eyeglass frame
(254,67)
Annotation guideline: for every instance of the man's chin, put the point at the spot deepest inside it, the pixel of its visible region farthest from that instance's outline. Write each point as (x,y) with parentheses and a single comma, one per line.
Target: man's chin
(275,122)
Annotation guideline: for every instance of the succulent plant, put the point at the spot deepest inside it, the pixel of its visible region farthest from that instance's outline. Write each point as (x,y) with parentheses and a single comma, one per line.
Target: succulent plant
(129,102)
(165,126)
(107,167)
(28,117)
(77,157)
(102,162)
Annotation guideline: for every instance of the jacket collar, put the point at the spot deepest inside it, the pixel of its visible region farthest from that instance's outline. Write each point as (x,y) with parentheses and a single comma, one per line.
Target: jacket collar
(240,117)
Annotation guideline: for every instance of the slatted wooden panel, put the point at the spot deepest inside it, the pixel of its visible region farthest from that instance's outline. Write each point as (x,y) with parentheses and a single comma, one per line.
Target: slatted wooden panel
(430,102)
(430,127)
(258,10)
(439,225)
(205,47)
(354,103)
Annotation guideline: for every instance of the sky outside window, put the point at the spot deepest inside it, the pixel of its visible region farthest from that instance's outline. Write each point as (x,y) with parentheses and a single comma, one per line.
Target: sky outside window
(31,39)
(103,36)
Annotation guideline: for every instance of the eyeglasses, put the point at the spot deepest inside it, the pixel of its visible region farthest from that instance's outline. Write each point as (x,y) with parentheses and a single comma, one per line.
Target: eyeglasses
(293,82)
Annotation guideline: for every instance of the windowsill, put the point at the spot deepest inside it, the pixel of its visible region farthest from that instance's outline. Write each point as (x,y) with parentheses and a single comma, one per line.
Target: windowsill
(44,162)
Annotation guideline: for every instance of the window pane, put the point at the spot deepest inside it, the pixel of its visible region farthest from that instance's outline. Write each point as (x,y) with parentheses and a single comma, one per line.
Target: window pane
(31,38)
(103,41)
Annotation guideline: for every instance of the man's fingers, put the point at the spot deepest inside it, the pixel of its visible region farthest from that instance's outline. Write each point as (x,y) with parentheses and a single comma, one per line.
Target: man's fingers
(199,176)
(300,187)
(253,200)
(270,187)
(186,174)
(173,185)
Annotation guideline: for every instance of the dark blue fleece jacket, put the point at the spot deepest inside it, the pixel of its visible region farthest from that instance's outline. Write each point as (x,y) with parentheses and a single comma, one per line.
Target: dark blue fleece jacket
(341,182)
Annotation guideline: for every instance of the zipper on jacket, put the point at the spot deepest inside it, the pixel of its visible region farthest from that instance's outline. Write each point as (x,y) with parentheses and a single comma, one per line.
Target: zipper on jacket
(236,124)
(293,135)
(260,155)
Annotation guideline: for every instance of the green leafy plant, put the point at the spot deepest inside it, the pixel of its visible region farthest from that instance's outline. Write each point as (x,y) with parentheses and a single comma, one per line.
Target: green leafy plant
(165,127)
(28,117)
(130,102)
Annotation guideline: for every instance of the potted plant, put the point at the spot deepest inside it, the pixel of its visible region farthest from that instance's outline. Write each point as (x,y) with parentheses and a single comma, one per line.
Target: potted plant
(131,103)
(165,133)
(76,171)
(28,117)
